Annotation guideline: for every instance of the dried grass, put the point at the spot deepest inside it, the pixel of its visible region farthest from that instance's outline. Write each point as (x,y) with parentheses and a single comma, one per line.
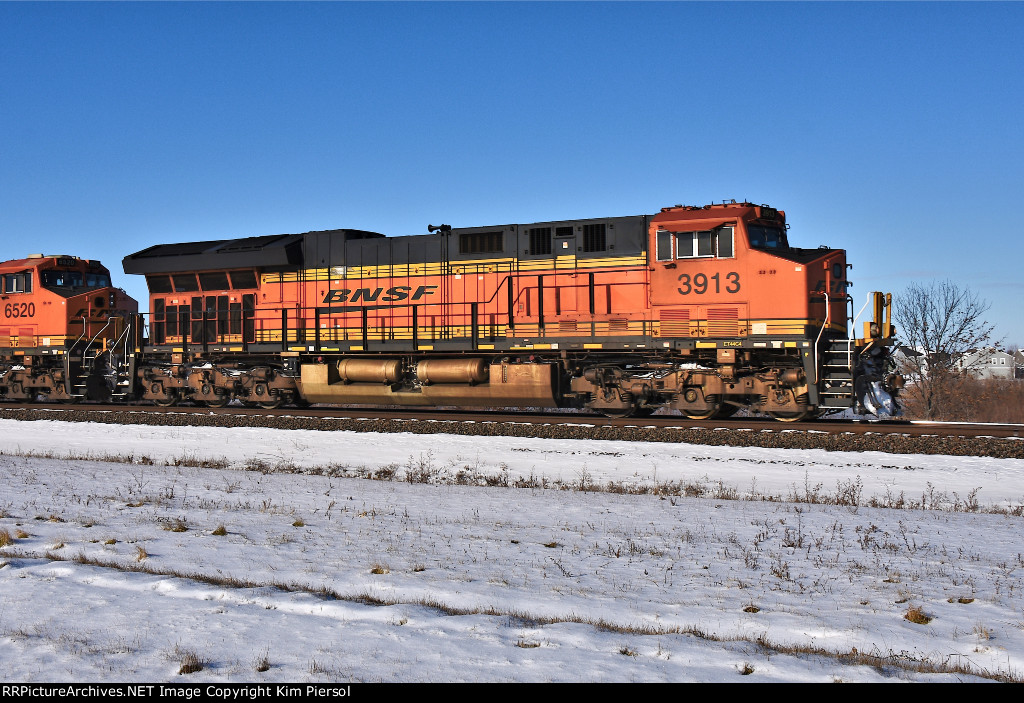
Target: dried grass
(916,615)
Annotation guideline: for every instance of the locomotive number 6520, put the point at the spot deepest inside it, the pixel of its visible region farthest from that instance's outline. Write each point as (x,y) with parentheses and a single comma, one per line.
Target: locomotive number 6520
(20,310)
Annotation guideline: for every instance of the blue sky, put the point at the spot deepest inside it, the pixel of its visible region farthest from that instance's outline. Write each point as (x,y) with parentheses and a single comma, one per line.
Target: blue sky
(890,129)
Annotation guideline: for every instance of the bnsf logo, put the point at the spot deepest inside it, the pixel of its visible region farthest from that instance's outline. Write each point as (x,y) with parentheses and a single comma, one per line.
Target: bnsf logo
(390,295)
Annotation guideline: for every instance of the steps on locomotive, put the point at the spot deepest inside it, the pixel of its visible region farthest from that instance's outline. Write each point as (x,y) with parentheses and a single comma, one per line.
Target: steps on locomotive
(122,387)
(837,390)
(80,387)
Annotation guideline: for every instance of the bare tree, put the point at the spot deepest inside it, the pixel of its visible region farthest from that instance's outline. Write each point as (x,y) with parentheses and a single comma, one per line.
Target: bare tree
(939,322)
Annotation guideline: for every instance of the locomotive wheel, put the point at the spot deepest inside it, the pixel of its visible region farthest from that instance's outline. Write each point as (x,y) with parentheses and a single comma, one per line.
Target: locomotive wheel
(795,416)
(219,402)
(619,413)
(167,401)
(271,403)
(725,410)
(707,415)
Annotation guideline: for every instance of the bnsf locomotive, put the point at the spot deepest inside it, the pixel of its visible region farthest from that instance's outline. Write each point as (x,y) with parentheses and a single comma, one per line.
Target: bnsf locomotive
(59,321)
(703,310)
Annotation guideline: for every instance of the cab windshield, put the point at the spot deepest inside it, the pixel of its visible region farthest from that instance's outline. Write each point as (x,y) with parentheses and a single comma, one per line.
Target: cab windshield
(74,279)
(762,237)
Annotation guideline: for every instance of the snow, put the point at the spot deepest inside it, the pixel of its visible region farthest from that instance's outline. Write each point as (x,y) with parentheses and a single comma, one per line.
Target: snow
(403,557)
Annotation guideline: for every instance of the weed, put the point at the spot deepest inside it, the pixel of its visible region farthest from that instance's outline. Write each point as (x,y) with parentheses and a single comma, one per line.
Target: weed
(190,661)
(751,609)
(262,662)
(523,644)
(746,669)
(5,538)
(779,568)
(21,534)
(626,651)
(380,568)
(384,473)
(220,531)
(258,465)
(750,559)
(177,524)
(551,545)
(316,667)
(110,541)
(916,615)
(849,492)
(421,470)
(299,523)
(141,553)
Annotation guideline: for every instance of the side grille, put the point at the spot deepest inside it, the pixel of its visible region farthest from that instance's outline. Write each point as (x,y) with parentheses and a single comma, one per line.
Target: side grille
(723,322)
(675,323)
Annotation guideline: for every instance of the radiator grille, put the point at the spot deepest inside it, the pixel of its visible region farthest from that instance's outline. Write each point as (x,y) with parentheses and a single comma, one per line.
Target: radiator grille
(723,322)
(675,323)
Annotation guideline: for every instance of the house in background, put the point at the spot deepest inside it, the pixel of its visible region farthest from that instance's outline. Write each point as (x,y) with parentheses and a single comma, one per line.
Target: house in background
(988,363)
(979,363)
(910,362)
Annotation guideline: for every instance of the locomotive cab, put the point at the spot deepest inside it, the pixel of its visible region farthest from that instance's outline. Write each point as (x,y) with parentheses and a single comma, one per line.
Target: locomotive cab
(768,321)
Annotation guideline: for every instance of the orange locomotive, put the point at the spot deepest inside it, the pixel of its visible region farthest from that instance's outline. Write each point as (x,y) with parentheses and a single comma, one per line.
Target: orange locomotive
(64,331)
(700,309)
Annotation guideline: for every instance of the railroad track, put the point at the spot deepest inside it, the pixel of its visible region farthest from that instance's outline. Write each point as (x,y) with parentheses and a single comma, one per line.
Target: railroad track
(570,419)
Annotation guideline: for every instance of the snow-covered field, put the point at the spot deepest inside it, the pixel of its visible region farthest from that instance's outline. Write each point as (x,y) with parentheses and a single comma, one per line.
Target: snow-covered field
(274,555)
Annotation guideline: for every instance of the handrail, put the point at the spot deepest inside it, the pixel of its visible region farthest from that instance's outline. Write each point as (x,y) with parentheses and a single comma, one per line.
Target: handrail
(828,318)
(124,335)
(96,336)
(866,303)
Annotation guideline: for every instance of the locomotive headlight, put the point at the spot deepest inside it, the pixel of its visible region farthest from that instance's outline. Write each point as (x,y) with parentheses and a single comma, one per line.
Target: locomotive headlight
(875,329)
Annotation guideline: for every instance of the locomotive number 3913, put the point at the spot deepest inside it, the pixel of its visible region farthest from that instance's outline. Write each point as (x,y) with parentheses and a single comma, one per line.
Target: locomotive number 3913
(701,283)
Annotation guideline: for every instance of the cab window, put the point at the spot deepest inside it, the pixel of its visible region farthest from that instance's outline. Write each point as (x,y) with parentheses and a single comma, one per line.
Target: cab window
(18,282)
(766,237)
(711,243)
(217,280)
(74,279)
(61,279)
(97,280)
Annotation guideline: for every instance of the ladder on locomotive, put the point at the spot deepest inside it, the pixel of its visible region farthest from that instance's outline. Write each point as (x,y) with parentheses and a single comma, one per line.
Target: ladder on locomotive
(836,388)
(113,365)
